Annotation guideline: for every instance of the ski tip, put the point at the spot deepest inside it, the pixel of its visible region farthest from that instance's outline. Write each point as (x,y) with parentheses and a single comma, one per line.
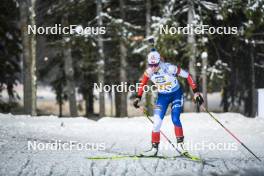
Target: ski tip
(194,158)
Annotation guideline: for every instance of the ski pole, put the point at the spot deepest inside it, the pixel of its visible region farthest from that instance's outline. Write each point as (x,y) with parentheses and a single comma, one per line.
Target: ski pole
(147,116)
(206,110)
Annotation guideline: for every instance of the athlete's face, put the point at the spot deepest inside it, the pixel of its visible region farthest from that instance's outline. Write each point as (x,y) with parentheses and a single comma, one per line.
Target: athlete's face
(154,67)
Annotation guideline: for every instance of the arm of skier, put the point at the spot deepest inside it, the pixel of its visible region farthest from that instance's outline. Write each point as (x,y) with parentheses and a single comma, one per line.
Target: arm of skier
(140,90)
(197,95)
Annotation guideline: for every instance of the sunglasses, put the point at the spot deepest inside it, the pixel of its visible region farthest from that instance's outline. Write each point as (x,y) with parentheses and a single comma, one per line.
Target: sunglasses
(153,65)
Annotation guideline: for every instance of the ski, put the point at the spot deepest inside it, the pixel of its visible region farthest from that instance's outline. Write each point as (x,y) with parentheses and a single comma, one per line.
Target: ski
(188,157)
(191,157)
(117,157)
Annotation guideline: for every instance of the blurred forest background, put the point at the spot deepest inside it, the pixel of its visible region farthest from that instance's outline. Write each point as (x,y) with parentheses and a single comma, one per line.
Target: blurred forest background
(69,65)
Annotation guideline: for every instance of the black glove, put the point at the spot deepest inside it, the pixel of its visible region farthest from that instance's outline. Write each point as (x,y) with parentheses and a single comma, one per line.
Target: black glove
(198,98)
(136,101)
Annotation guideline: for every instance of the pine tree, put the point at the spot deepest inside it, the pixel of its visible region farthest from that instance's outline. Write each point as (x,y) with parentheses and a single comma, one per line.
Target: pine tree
(101,61)
(29,56)
(9,53)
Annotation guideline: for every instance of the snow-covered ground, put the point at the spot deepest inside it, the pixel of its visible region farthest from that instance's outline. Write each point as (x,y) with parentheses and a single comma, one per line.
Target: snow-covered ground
(110,136)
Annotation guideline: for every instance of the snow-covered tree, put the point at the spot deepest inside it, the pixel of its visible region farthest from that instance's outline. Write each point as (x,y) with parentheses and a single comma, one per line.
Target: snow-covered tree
(10,50)
(27,17)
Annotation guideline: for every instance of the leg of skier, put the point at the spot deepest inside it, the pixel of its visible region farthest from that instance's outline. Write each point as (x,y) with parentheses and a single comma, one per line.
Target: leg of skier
(160,109)
(176,109)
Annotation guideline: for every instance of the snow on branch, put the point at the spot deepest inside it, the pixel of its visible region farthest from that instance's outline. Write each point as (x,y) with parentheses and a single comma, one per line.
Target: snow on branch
(259,65)
(139,50)
(209,5)
(120,21)
(218,69)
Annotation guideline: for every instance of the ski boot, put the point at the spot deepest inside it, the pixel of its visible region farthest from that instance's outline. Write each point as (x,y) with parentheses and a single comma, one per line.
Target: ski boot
(181,147)
(153,151)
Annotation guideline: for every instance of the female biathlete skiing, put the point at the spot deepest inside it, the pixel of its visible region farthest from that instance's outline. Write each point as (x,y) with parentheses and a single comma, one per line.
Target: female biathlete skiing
(164,76)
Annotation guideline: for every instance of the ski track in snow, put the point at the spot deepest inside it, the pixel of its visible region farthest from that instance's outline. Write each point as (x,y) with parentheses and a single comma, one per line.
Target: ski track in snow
(125,136)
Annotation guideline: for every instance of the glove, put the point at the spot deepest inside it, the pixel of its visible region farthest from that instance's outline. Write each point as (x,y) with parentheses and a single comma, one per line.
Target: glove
(136,101)
(198,98)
